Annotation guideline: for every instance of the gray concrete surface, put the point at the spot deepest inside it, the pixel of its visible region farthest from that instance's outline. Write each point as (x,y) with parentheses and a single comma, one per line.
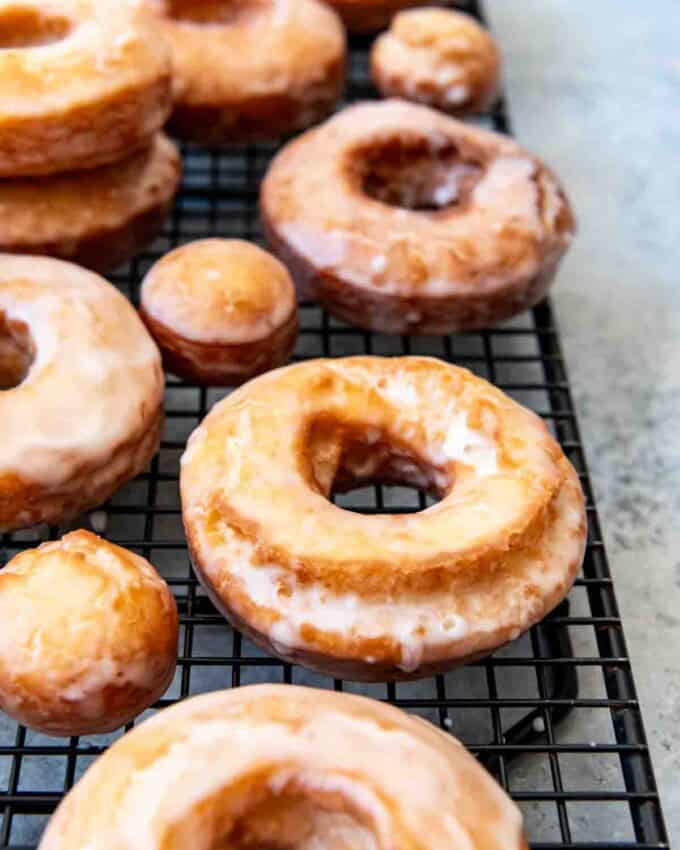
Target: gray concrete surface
(594,87)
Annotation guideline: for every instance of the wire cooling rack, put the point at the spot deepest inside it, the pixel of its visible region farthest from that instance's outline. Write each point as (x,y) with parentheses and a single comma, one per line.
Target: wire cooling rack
(554,716)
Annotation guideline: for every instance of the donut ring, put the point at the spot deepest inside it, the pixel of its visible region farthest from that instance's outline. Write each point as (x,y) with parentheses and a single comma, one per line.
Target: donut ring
(399,219)
(364,16)
(221,311)
(98,218)
(253,70)
(380,597)
(286,766)
(105,627)
(82,83)
(437,57)
(88,413)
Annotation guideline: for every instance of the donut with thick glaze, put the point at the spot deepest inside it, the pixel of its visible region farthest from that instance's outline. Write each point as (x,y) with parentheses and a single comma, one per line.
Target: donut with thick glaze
(221,311)
(285,766)
(98,218)
(400,219)
(82,410)
(439,58)
(384,596)
(253,69)
(88,636)
(82,83)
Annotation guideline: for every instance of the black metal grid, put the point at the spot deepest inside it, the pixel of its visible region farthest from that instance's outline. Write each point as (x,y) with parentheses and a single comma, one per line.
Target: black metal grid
(555,716)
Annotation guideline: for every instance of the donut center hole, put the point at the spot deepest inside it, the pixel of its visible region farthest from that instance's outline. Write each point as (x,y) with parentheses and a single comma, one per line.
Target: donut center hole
(347,458)
(208,12)
(22,26)
(17,353)
(417,174)
(290,821)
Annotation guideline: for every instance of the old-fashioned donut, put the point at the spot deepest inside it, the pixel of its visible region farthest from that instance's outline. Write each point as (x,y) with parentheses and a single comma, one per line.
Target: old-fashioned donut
(98,218)
(380,597)
(221,311)
(82,83)
(400,219)
(437,57)
(81,412)
(280,766)
(88,636)
(251,69)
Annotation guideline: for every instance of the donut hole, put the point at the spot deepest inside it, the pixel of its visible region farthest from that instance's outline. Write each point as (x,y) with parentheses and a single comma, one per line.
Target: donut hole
(346,457)
(24,26)
(290,820)
(17,352)
(417,174)
(208,12)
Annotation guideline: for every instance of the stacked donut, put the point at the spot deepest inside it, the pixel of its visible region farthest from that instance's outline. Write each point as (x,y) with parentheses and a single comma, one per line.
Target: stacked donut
(85,86)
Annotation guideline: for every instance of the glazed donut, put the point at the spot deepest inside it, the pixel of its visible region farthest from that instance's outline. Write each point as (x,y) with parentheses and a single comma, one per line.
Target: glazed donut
(285,766)
(364,16)
(82,83)
(437,57)
(252,69)
(399,219)
(99,218)
(86,414)
(221,311)
(88,636)
(380,597)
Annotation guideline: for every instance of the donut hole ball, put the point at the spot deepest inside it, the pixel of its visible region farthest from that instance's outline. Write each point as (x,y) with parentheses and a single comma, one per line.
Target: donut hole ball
(29,26)
(88,636)
(439,58)
(221,311)
(416,173)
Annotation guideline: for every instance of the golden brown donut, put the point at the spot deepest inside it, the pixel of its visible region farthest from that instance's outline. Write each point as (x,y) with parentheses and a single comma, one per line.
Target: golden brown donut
(82,409)
(437,57)
(221,311)
(380,597)
(251,69)
(82,83)
(282,766)
(364,16)
(88,636)
(99,218)
(400,219)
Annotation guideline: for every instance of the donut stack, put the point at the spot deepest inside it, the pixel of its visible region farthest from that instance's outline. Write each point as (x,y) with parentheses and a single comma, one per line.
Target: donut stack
(85,86)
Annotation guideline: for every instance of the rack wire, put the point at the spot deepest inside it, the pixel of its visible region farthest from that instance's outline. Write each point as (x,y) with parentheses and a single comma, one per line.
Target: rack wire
(554,716)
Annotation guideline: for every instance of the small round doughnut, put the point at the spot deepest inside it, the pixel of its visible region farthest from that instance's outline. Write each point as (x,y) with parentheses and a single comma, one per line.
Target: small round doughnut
(286,766)
(437,57)
(221,311)
(99,218)
(253,69)
(82,409)
(88,636)
(365,16)
(380,597)
(82,83)
(400,219)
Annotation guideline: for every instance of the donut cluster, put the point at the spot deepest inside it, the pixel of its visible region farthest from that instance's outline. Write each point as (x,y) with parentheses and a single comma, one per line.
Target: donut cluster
(85,88)
(396,217)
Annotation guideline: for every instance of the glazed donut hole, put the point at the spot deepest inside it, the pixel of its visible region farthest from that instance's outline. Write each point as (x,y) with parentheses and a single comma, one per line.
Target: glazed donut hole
(28,26)
(88,636)
(416,173)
